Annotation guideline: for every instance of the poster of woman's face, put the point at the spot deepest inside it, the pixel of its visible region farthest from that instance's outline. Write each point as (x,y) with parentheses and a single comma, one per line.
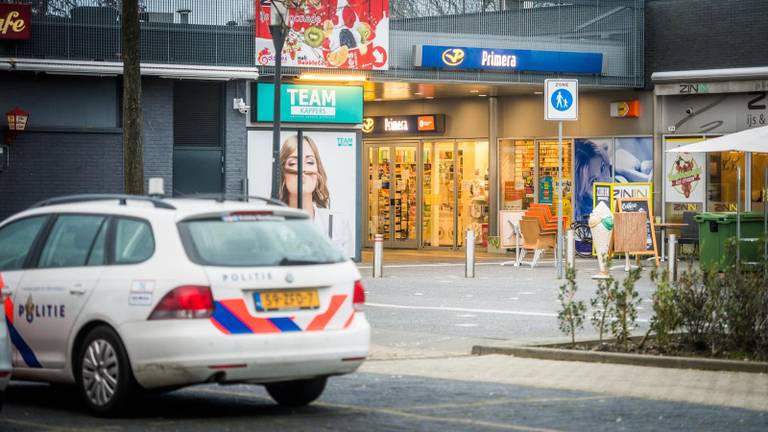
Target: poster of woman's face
(592,163)
(329,180)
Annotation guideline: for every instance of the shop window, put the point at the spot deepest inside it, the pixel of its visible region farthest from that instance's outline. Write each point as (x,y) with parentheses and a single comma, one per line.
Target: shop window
(549,175)
(517,161)
(759,192)
(722,187)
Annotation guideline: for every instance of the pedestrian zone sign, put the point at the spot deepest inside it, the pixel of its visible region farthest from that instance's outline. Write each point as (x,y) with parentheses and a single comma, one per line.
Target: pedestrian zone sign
(561,100)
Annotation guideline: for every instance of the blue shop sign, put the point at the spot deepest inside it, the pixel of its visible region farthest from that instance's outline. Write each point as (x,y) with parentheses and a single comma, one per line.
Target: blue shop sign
(512,60)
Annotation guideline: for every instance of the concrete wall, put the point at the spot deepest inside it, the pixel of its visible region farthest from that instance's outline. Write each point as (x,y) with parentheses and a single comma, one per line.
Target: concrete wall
(523,116)
(464,118)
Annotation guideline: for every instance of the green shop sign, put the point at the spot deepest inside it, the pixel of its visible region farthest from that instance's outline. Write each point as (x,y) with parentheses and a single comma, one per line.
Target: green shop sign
(308,103)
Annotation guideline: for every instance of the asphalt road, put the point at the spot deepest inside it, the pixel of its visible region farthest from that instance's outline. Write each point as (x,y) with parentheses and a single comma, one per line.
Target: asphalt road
(433,314)
(377,402)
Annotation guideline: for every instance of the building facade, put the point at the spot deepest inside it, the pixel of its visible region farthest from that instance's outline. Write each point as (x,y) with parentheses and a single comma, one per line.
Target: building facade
(452,132)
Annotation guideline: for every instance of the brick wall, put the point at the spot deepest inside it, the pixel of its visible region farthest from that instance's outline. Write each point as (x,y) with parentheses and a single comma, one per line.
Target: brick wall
(235,139)
(157,107)
(704,34)
(49,164)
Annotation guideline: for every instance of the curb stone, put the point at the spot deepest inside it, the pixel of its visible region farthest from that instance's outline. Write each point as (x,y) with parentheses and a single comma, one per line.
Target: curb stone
(626,359)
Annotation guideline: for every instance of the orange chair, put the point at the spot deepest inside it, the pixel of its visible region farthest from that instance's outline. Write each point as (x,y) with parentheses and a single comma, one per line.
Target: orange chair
(550,218)
(535,239)
(542,216)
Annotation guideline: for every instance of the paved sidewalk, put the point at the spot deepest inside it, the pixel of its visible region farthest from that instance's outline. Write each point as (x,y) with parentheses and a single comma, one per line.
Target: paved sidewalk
(732,389)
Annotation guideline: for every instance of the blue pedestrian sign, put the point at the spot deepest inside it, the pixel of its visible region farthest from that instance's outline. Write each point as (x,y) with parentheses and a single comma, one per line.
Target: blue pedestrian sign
(562,99)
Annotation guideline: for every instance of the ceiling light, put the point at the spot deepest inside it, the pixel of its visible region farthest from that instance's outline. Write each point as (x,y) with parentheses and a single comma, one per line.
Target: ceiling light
(337,78)
(430,97)
(538,93)
(482,95)
(377,100)
(418,93)
(474,91)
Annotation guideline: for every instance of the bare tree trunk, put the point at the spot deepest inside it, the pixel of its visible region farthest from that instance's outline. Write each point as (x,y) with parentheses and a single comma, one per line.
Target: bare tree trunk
(133,154)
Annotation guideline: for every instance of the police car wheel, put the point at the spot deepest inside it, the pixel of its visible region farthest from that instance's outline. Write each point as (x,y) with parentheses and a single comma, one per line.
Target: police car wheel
(104,374)
(296,393)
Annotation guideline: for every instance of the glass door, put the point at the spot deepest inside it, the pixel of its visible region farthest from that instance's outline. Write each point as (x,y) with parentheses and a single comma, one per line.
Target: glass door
(548,174)
(392,194)
(455,192)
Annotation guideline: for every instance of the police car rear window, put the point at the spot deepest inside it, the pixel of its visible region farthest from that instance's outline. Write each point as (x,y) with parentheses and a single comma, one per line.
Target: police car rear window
(257,241)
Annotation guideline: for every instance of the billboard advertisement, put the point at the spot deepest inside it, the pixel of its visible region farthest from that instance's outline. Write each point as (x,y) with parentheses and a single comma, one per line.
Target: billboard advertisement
(592,163)
(345,34)
(634,160)
(329,180)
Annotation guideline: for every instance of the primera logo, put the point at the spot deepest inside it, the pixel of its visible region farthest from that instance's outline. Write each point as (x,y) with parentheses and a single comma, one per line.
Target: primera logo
(453,56)
(368,124)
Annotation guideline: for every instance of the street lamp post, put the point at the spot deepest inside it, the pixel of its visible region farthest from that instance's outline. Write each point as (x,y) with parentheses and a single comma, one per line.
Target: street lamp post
(277,14)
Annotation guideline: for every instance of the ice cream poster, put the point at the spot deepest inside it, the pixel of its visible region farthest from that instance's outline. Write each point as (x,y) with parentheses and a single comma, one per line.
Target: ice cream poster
(344,34)
(684,174)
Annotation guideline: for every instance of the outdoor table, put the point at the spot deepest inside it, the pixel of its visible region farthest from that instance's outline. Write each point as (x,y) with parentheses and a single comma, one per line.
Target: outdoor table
(663,227)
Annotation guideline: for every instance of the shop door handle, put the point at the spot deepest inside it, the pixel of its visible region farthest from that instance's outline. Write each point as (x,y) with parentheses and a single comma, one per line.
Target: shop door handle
(77,290)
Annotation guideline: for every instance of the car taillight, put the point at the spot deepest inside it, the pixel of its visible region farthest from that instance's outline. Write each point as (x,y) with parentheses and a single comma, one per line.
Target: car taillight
(358,297)
(188,301)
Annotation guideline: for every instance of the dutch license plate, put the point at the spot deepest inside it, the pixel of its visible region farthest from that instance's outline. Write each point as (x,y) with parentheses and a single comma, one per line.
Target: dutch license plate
(267,301)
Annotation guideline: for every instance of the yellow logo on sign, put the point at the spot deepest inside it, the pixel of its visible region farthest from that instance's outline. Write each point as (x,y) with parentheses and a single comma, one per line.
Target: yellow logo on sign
(623,109)
(367,125)
(453,56)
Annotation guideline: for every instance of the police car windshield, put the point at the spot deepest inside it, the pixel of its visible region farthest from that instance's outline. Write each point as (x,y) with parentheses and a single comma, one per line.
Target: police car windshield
(257,242)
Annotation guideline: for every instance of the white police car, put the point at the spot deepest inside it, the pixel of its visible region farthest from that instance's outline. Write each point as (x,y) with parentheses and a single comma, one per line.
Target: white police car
(123,293)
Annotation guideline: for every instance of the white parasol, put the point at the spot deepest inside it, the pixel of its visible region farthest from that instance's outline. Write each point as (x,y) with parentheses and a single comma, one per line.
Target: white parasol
(750,140)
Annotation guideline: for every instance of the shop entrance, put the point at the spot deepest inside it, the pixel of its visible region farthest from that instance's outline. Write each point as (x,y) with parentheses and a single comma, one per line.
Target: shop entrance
(392,192)
(426,193)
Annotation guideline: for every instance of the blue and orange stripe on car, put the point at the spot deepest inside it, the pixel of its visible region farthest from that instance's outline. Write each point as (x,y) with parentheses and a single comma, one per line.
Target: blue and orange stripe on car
(232,317)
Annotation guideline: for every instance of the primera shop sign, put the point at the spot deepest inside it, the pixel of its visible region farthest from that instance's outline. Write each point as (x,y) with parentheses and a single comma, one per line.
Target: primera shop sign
(507,60)
(15,21)
(404,125)
(308,103)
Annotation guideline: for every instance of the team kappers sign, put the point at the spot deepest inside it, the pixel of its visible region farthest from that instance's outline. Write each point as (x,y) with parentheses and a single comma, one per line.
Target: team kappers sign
(346,34)
(329,181)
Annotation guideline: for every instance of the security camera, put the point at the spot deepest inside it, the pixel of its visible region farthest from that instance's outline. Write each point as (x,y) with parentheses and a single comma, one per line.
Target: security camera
(240,105)
(689,110)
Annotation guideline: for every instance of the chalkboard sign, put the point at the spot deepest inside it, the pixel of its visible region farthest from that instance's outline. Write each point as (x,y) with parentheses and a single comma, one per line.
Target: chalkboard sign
(637,205)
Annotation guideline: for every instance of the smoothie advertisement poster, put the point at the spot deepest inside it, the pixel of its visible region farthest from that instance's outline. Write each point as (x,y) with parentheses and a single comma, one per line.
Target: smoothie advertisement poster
(344,34)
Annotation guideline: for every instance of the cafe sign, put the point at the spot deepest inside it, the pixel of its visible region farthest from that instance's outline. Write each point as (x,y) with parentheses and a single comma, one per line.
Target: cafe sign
(15,21)
(309,103)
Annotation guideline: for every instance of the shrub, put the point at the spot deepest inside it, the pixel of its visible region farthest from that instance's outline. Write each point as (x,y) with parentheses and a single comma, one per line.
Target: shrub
(571,316)
(666,314)
(624,310)
(601,303)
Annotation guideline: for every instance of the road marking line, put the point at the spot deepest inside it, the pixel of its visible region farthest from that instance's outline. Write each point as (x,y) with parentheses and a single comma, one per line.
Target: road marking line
(429,265)
(466,325)
(458,309)
(396,412)
(508,402)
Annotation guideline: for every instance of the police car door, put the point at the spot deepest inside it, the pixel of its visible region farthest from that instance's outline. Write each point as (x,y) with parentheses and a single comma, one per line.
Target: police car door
(52,292)
(17,239)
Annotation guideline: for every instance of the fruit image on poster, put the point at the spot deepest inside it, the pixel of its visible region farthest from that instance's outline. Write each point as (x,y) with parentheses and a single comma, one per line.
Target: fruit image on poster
(344,34)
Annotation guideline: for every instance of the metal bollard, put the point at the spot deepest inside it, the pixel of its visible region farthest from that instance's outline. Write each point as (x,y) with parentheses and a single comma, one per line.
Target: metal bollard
(570,249)
(378,255)
(469,247)
(672,264)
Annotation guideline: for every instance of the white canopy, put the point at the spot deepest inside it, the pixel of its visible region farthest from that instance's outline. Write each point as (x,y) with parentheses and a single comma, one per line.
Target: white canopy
(750,140)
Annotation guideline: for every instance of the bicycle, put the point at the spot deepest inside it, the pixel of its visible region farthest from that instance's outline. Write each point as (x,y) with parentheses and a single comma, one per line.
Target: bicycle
(583,239)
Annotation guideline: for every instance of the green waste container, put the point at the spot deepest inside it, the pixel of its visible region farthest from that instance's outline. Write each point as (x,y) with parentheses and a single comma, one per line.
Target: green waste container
(716,228)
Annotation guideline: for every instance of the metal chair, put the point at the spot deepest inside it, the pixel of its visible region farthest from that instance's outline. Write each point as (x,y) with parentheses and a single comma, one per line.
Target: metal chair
(689,234)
